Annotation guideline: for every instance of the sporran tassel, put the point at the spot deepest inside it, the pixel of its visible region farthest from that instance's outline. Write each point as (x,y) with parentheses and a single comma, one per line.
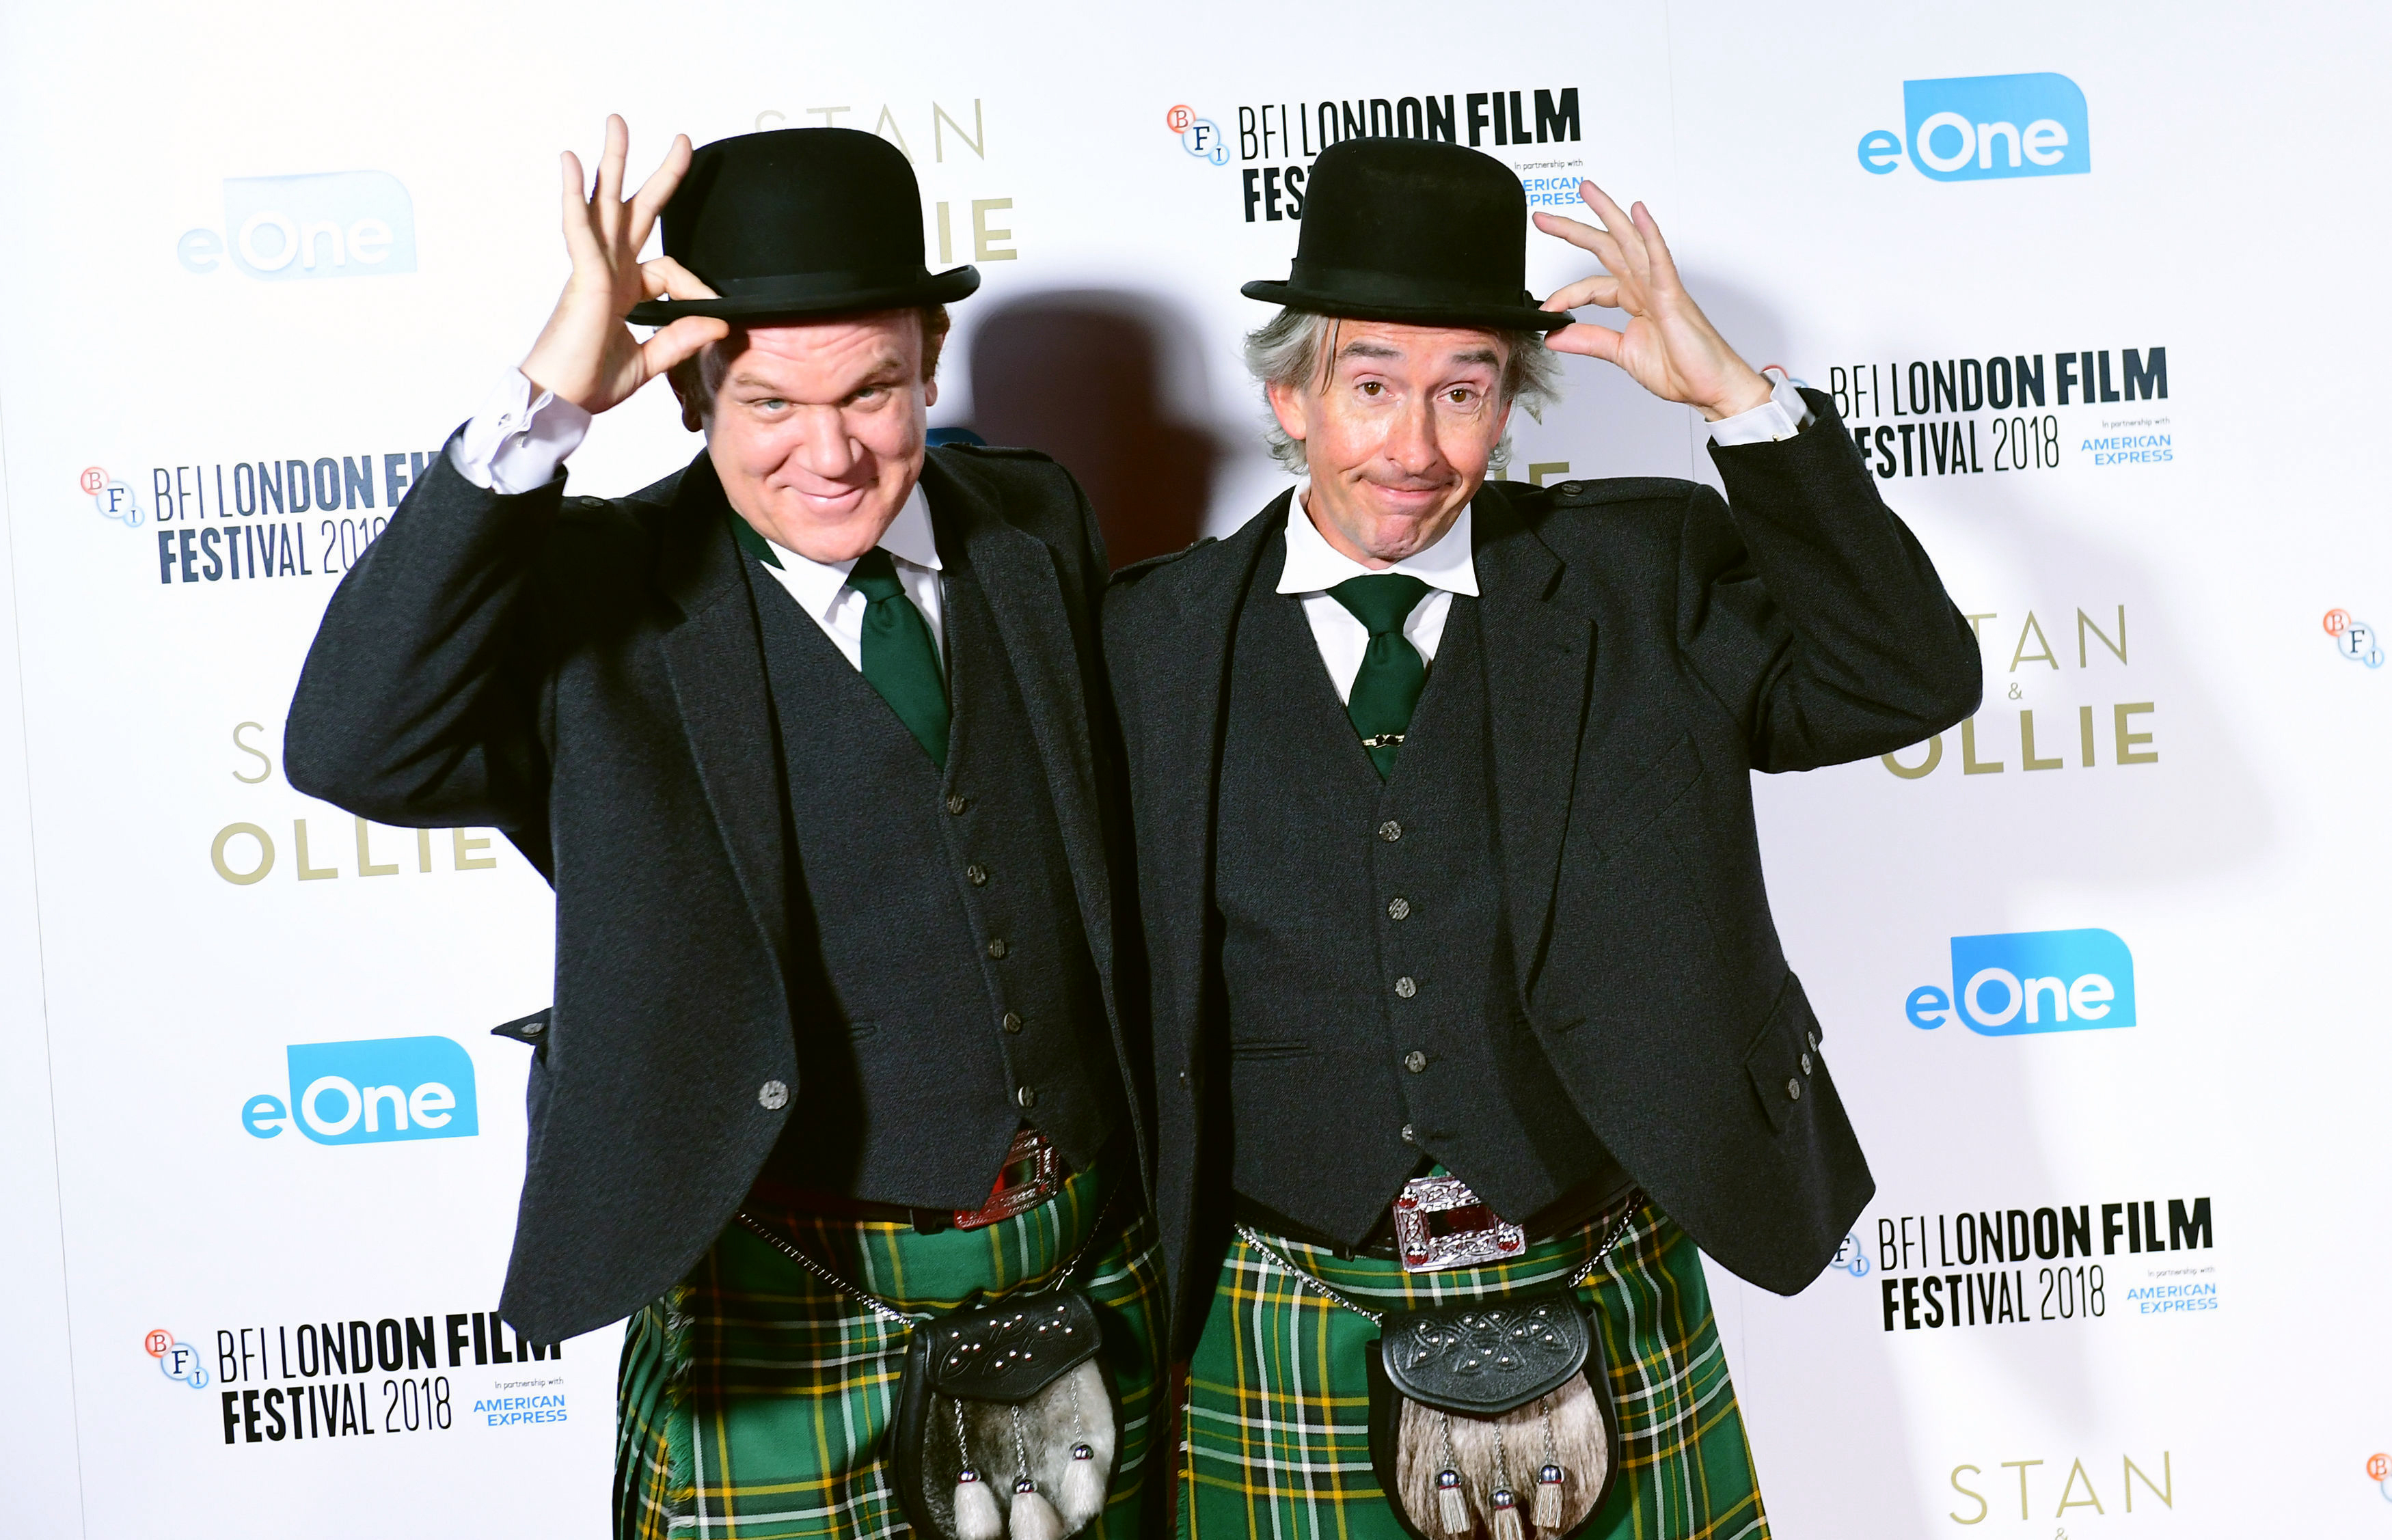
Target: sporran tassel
(1083,1496)
(977,1516)
(1507,1514)
(1548,1511)
(1452,1510)
(1034,1517)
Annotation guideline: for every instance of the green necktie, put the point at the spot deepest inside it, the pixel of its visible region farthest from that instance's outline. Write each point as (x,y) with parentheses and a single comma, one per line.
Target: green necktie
(1388,684)
(899,659)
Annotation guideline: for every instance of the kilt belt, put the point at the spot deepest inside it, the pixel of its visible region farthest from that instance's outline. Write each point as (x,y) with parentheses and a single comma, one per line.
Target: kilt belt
(754,1399)
(1276,1416)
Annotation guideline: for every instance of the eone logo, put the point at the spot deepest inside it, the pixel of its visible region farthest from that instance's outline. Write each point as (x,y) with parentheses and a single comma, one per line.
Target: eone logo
(333,225)
(2355,639)
(1981,127)
(371,1092)
(2033,981)
(112,498)
(177,1360)
(1198,137)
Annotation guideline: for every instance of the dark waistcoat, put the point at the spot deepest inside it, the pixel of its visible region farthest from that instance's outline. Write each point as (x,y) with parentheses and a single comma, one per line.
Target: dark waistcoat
(1365,952)
(941,989)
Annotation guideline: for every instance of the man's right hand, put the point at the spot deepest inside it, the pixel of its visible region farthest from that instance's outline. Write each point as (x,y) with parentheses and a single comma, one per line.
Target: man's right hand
(585,354)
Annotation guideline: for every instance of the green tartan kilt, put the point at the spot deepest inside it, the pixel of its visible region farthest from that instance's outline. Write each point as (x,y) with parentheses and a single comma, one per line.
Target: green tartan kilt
(1277,1407)
(754,1399)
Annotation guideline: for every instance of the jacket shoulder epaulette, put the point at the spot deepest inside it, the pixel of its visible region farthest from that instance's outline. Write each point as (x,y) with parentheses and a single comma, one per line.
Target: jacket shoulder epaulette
(1137,570)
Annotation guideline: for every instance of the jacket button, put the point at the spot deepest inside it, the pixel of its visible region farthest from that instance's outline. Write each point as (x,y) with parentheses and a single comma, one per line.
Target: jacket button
(534,1028)
(1806,1063)
(1399,908)
(957,803)
(1391,831)
(1012,1021)
(1026,1097)
(996,948)
(1408,1134)
(1793,1089)
(1415,1061)
(772,1096)
(1814,1039)
(977,875)
(1405,988)
(1569,489)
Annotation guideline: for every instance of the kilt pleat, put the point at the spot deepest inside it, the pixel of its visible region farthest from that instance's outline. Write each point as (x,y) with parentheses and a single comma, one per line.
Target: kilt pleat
(1276,1414)
(754,1400)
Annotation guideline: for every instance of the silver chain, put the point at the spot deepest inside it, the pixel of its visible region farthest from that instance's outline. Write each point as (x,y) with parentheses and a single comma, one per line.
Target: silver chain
(881,1307)
(1634,1204)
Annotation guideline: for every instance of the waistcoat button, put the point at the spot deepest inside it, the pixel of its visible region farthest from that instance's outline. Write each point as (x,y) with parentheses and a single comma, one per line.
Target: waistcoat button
(996,948)
(1806,1063)
(1012,1021)
(1408,1134)
(1391,831)
(1414,1061)
(957,803)
(1026,1097)
(977,875)
(1405,988)
(1399,908)
(1793,1089)
(772,1096)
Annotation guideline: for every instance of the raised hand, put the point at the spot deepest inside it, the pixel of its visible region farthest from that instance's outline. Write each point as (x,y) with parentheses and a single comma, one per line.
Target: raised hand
(1668,346)
(586,352)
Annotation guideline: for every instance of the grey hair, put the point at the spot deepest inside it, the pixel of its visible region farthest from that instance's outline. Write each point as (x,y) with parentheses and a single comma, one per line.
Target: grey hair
(1288,353)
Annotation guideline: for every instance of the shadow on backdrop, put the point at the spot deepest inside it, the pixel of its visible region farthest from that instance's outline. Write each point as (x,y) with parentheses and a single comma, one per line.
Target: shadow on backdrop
(1087,377)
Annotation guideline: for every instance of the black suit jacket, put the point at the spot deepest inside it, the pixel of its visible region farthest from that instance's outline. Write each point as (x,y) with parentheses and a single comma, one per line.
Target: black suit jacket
(1645,648)
(587,675)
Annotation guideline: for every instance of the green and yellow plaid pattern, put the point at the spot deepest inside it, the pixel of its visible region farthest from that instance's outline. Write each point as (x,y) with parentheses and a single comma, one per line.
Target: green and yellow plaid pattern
(755,1399)
(1277,1409)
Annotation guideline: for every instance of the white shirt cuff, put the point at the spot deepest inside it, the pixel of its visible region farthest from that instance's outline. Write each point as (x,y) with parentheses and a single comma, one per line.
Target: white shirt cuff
(516,440)
(1782,416)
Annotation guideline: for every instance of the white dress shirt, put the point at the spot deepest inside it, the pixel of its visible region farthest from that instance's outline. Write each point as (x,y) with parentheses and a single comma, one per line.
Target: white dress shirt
(517,441)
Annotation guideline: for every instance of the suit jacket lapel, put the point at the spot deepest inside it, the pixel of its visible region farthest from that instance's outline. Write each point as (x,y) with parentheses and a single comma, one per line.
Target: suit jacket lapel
(715,662)
(1025,593)
(1540,648)
(1183,717)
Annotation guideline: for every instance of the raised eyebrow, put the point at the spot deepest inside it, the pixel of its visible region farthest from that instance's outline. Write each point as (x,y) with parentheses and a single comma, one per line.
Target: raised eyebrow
(1368,350)
(1480,355)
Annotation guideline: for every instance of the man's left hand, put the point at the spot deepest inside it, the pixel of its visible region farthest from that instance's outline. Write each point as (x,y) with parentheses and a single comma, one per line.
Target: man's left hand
(1668,346)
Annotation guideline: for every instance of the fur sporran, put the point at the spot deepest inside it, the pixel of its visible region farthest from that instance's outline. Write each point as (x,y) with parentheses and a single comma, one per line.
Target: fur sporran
(1005,1426)
(1492,1418)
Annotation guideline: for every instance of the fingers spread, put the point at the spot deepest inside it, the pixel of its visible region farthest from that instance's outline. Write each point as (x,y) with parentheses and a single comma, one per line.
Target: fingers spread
(1621,228)
(1656,251)
(658,189)
(609,196)
(665,278)
(580,239)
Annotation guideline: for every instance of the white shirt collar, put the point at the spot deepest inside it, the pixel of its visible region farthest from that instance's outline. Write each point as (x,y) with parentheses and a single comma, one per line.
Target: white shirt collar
(816,585)
(1313,564)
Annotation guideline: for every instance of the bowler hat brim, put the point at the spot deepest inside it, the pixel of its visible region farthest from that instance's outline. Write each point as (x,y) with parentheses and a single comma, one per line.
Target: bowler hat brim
(769,299)
(1524,316)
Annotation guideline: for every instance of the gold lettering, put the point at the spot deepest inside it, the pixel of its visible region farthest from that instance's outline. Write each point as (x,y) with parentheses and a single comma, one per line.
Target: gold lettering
(2126,756)
(941,122)
(2026,746)
(1934,758)
(366,867)
(2085,622)
(265,853)
(299,853)
(985,240)
(1976,624)
(2032,627)
(2091,1500)
(1969,762)
(1543,468)
(2085,732)
(2021,1467)
(1982,1506)
(2167,1473)
(887,128)
(473,863)
(265,766)
(946,237)
(423,850)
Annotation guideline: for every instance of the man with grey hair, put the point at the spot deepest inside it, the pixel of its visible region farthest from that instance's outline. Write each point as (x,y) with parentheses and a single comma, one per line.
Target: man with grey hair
(1470,1022)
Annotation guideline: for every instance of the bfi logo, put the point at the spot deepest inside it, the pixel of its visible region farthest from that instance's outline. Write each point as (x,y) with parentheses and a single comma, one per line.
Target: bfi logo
(1983,127)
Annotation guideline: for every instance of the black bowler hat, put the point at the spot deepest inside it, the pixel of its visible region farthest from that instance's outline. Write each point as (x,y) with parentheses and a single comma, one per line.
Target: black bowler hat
(1414,231)
(800,222)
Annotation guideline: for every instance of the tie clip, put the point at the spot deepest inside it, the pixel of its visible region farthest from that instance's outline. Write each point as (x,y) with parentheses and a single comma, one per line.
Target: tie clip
(1384,740)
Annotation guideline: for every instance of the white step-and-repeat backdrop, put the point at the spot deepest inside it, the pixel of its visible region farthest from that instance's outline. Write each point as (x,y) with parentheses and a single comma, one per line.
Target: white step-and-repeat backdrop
(2098,288)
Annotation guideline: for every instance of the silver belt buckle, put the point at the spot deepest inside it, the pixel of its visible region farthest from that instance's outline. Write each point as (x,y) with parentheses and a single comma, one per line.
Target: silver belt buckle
(1440,1223)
